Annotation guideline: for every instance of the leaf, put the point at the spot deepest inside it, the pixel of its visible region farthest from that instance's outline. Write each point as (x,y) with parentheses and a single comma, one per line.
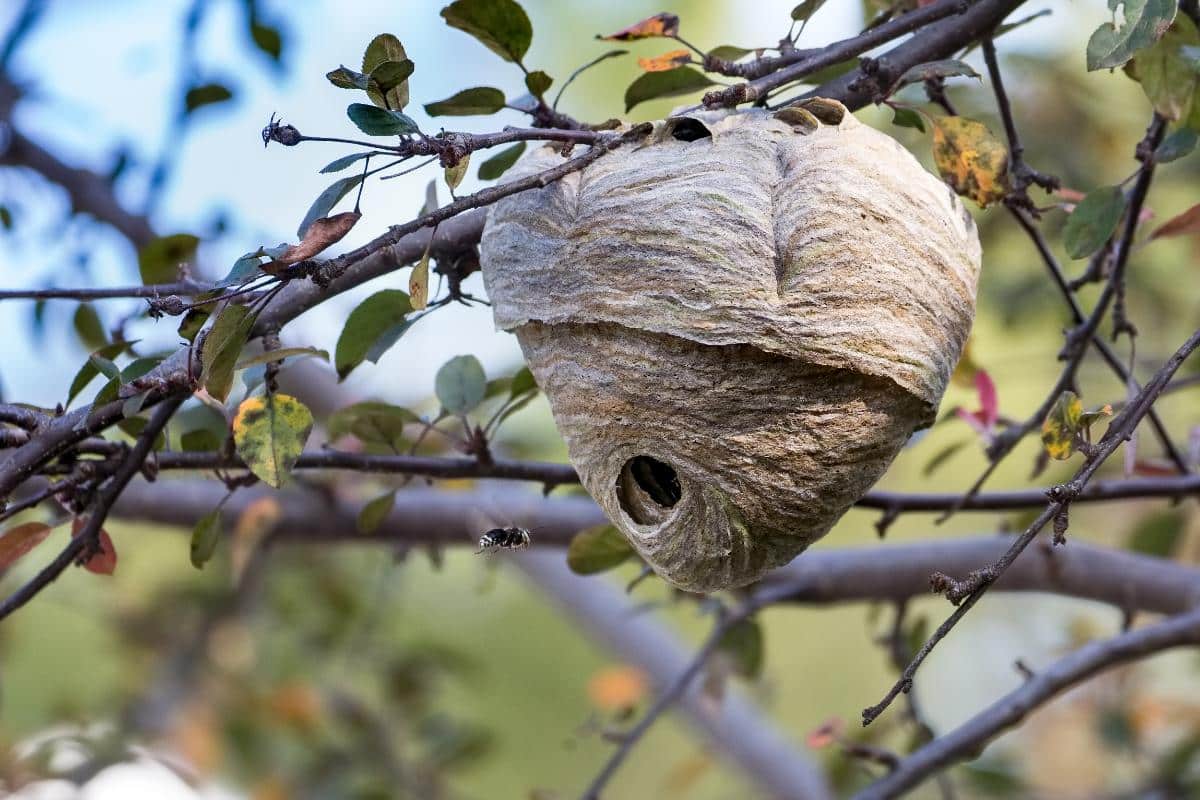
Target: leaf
(672,83)
(460,384)
(90,370)
(326,200)
(271,356)
(319,235)
(907,118)
(1167,76)
(88,327)
(339,164)
(498,164)
(375,512)
(269,434)
(742,644)
(618,688)
(222,347)
(501,25)
(1145,23)
(206,95)
(597,549)
(375,121)
(522,383)
(454,175)
(345,78)
(1093,221)
(267,39)
(104,560)
(670,60)
(728,52)
(418,282)
(159,260)
(1179,144)
(664,25)
(384,48)
(537,82)
(1157,534)
(468,102)
(205,536)
(941,457)
(245,268)
(200,441)
(19,540)
(369,321)
(972,160)
(1061,426)
(192,322)
(825,734)
(389,82)
(946,68)
(1183,224)
(804,11)
(372,422)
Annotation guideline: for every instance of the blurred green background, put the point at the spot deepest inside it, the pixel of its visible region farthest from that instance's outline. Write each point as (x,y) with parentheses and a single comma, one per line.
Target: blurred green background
(479,681)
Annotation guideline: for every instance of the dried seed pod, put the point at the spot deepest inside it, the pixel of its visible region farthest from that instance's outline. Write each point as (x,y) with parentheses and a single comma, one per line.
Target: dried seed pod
(738,324)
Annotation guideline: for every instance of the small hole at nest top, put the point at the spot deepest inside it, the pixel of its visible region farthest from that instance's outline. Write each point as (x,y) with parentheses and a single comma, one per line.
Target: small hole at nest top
(687,129)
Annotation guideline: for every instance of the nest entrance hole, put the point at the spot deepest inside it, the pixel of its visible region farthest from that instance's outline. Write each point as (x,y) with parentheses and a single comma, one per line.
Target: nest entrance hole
(648,489)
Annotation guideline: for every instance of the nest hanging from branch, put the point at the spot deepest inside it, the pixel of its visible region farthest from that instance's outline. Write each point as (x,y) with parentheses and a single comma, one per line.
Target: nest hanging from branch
(738,324)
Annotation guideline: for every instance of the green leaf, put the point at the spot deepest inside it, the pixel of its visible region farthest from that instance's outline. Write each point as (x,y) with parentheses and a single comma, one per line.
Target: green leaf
(375,121)
(271,356)
(267,39)
(372,422)
(159,260)
(522,383)
(105,367)
(269,434)
(205,537)
(245,268)
(1157,534)
(1093,221)
(339,164)
(1145,23)
(499,164)
(501,25)
(454,175)
(192,322)
(389,338)
(729,52)
(941,457)
(345,78)
(805,10)
(88,327)
(371,320)
(1179,144)
(89,371)
(391,79)
(669,83)
(460,384)
(537,82)
(6,218)
(222,347)
(206,95)
(743,645)
(375,512)
(201,440)
(907,118)
(597,549)
(384,48)
(1167,77)
(1061,426)
(946,68)
(327,199)
(478,100)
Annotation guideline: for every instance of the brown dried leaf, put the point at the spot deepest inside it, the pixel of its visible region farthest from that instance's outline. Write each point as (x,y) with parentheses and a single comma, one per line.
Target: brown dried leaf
(663,24)
(104,560)
(1180,225)
(18,541)
(671,60)
(971,159)
(321,234)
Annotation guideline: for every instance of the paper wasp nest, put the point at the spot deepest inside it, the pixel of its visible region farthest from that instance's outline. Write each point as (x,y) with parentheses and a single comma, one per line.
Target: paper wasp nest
(738,324)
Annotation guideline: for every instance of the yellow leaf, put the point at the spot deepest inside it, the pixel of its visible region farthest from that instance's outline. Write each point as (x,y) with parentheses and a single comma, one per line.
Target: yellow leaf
(659,25)
(970,159)
(671,60)
(617,688)
(1061,426)
(269,433)
(418,283)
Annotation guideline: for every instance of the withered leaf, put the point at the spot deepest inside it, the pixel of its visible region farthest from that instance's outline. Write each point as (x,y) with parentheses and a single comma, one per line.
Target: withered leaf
(664,24)
(671,60)
(321,234)
(971,159)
